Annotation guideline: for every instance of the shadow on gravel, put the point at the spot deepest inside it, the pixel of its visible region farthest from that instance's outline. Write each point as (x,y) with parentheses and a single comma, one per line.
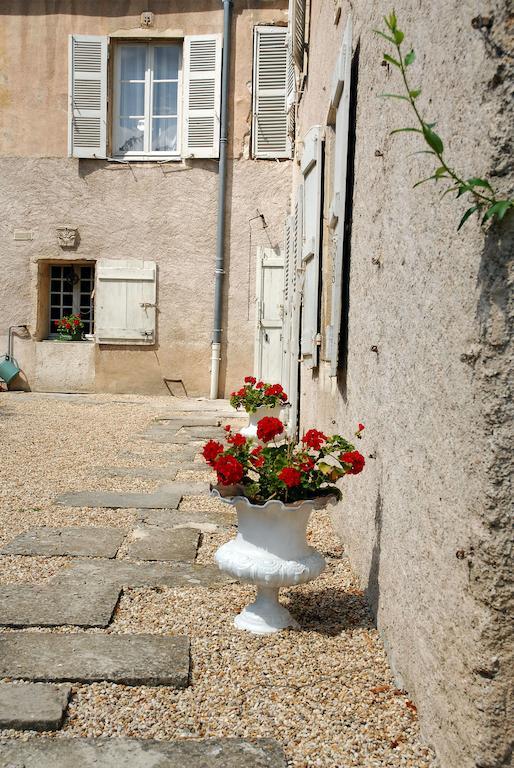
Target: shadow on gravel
(330,611)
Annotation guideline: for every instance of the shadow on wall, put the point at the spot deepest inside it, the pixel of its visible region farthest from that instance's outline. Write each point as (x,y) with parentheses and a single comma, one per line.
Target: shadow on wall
(373,588)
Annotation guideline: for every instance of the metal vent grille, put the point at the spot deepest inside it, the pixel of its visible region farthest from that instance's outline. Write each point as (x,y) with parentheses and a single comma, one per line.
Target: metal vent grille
(86,131)
(203,56)
(87,56)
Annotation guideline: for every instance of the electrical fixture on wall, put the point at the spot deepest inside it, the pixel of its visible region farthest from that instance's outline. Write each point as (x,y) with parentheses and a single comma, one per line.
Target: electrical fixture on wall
(147,19)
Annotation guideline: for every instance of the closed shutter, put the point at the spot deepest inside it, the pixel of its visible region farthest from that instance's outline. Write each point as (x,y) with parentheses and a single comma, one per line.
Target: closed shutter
(289,269)
(202,95)
(125,296)
(291,77)
(87,96)
(270,138)
(340,103)
(296,296)
(297,27)
(311,167)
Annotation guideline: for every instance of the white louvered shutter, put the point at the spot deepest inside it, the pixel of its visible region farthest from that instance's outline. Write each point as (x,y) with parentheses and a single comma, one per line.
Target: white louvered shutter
(202,95)
(289,269)
(270,137)
(297,27)
(311,167)
(296,300)
(87,95)
(341,105)
(125,296)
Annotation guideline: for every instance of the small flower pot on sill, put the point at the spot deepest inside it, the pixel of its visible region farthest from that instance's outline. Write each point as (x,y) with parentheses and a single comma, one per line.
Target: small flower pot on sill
(70,336)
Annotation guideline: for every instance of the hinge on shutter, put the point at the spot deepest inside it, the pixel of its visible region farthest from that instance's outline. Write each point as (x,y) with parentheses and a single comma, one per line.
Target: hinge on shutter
(317,339)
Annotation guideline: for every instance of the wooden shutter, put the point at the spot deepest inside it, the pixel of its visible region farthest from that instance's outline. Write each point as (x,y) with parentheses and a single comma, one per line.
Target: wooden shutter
(87,96)
(125,297)
(297,27)
(296,297)
(340,103)
(269,314)
(311,167)
(202,95)
(289,268)
(270,138)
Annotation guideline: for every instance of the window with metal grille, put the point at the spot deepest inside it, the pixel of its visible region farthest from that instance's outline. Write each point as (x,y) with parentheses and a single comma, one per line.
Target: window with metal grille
(71,292)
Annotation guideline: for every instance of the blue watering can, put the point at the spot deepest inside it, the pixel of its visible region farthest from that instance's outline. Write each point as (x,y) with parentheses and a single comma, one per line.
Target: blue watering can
(8,366)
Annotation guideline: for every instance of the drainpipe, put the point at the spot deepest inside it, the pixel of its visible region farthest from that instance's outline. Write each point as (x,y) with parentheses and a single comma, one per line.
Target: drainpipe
(222,186)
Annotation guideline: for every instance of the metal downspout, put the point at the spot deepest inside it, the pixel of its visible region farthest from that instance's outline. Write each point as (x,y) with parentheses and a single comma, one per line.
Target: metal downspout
(222,186)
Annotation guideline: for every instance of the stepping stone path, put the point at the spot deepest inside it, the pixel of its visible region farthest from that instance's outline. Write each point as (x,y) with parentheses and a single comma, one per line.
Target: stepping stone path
(202,521)
(79,603)
(163,498)
(151,543)
(86,658)
(33,706)
(144,753)
(56,542)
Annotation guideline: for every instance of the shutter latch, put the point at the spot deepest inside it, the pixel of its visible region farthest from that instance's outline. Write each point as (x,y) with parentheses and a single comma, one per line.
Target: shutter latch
(147,304)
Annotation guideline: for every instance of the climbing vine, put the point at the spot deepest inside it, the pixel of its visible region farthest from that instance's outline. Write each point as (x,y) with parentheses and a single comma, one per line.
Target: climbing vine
(481,194)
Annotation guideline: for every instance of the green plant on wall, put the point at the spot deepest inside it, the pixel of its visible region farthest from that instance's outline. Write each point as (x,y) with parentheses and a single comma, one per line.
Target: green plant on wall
(482,195)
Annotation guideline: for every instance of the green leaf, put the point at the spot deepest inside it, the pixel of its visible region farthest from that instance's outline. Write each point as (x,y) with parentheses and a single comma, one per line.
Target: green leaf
(392,61)
(467,215)
(432,139)
(478,183)
(393,96)
(409,58)
(422,152)
(407,130)
(498,209)
(440,172)
(423,181)
(447,191)
(414,94)
(398,36)
(391,21)
(463,188)
(386,37)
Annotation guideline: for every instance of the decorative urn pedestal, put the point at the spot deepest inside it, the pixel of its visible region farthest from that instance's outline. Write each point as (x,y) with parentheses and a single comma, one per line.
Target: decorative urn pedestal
(270,551)
(253,419)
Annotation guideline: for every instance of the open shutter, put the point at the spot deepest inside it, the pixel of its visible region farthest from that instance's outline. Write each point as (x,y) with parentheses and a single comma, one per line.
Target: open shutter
(311,167)
(341,105)
(87,96)
(202,95)
(289,268)
(270,137)
(125,297)
(297,27)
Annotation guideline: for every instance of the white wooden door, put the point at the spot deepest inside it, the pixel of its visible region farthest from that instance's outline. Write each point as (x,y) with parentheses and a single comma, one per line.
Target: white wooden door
(269,315)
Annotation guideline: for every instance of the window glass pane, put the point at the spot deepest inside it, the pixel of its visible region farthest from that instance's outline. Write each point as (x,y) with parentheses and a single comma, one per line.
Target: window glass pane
(130,135)
(132,62)
(56,272)
(165,99)
(85,273)
(132,99)
(55,285)
(165,62)
(164,134)
(55,313)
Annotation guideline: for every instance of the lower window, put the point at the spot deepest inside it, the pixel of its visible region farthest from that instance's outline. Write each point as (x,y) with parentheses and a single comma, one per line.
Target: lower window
(71,293)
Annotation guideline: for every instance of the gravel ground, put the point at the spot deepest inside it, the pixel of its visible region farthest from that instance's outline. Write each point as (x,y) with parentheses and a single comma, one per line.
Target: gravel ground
(325,692)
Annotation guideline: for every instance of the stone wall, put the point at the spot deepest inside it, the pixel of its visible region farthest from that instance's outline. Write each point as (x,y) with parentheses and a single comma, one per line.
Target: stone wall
(429,355)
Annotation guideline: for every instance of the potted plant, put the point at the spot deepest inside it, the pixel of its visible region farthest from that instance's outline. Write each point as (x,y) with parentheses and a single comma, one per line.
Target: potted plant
(274,486)
(69,328)
(259,400)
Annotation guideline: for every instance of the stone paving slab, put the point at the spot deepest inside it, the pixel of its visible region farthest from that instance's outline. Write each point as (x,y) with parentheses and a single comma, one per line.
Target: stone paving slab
(122,573)
(196,433)
(73,541)
(142,753)
(158,473)
(202,521)
(163,498)
(79,603)
(151,543)
(178,422)
(88,658)
(33,706)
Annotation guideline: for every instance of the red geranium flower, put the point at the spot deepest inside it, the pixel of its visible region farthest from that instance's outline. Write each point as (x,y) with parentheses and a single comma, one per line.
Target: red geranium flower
(314,439)
(283,396)
(241,392)
(237,439)
(307,465)
(290,476)
(355,459)
(257,461)
(250,379)
(56,322)
(268,428)
(229,470)
(227,428)
(274,389)
(259,385)
(360,427)
(211,451)
(256,451)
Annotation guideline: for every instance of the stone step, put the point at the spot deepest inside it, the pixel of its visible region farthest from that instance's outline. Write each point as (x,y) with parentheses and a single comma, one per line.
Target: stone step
(88,658)
(142,753)
(33,706)
(151,543)
(163,498)
(79,603)
(73,541)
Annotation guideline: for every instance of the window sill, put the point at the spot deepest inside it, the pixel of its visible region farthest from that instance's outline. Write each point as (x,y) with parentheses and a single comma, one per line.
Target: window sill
(145,159)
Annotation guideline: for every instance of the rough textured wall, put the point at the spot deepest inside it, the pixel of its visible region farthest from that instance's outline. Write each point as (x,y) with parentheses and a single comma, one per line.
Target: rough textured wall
(166,213)
(426,525)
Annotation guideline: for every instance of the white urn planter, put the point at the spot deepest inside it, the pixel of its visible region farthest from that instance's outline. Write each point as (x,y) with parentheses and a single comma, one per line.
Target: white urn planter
(253,419)
(270,551)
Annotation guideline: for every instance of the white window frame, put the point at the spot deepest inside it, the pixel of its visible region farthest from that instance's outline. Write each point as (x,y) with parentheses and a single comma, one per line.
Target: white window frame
(149,80)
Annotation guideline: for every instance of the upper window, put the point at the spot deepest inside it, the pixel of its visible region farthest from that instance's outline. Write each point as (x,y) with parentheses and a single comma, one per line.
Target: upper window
(147,85)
